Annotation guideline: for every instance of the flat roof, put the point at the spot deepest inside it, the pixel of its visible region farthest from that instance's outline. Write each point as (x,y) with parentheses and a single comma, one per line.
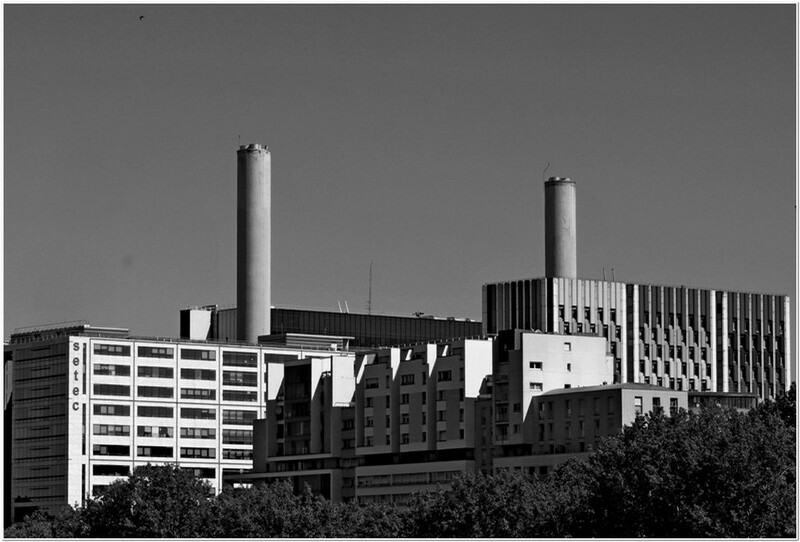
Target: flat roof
(607,387)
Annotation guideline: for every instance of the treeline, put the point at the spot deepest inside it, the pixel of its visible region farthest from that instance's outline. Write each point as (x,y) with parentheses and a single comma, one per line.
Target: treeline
(717,473)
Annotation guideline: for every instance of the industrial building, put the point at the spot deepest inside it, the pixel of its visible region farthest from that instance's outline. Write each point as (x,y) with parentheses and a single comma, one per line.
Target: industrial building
(369,407)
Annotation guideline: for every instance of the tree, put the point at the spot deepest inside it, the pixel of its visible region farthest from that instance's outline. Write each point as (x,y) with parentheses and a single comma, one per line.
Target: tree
(717,473)
(477,505)
(155,501)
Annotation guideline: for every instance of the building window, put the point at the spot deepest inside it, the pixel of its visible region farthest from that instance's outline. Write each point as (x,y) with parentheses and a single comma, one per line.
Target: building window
(406,380)
(567,347)
(568,407)
(404,418)
(673,406)
(204,433)
(108,449)
(442,436)
(198,414)
(154,451)
(155,391)
(206,453)
(371,383)
(637,406)
(369,421)
(154,372)
(441,395)
(112,370)
(541,411)
(111,470)
(368,441)
(445,376)
(424,417)
(155,352)
(207,355)
(239,378)
(112,389)
(154,431)
(656,403)
(404,438)
(369,401)
(535,365)
(441,415)
(113,430)
(112,410)
(239,359)
(238,417)
(404,398)
(199,394)
(536,386)
(424,377)
(198,374)
(424,397)
(517,407)
(112,349)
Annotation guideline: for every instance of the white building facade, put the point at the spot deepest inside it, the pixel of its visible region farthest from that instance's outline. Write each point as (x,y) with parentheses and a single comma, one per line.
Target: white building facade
(88,405)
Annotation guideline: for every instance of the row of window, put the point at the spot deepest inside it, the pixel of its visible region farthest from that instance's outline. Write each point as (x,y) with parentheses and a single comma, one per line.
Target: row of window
(229,378)
(168,451)
(125,470)
(244,417)
(548,409)
(229,436)
(233,359)
(162,392)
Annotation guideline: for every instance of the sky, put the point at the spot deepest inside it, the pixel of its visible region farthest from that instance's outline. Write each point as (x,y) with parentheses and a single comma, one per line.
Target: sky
(411,137)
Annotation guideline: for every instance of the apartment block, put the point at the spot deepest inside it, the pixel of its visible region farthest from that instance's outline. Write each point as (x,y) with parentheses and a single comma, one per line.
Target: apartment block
(569,423)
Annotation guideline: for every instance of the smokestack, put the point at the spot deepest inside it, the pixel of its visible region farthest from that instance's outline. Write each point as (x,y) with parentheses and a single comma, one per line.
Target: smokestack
(253,245)
(560,242)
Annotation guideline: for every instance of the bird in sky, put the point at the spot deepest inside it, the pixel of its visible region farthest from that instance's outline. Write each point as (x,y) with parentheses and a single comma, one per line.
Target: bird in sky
(141,17)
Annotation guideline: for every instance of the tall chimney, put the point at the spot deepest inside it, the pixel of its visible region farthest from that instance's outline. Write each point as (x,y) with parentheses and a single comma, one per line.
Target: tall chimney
(560,244)
(253,245)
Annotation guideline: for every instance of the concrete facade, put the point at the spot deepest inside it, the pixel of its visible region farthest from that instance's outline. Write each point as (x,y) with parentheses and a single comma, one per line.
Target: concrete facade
(569,423)
(678,337)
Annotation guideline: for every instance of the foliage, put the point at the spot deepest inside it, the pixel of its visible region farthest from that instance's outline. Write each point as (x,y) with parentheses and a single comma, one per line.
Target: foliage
(477,505)
(718,473)
(163,501)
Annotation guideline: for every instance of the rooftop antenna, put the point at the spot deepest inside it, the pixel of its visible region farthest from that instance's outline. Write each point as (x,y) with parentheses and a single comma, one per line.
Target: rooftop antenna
(346,308)
(545,171)
(369,299)
(612,275)
(604,274)
(240,140)
(340,305)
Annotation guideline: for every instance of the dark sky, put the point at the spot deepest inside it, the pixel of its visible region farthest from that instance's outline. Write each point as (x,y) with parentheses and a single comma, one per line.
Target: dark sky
(411,136)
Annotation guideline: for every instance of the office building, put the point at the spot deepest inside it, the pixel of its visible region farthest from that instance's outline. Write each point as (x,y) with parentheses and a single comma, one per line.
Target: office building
(89,404)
